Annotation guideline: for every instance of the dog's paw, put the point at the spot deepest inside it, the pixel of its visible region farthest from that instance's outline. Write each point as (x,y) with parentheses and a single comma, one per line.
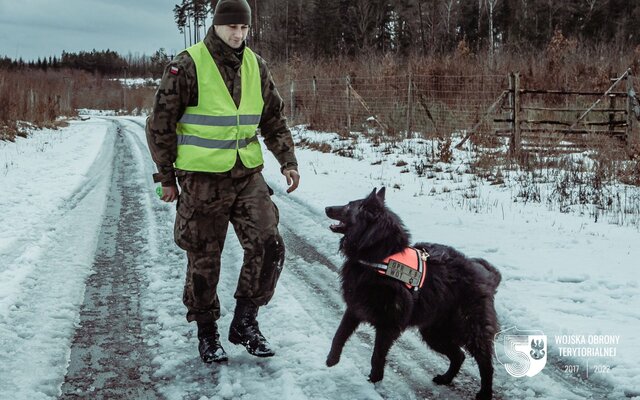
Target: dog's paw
(375,377)
(484,395)
(332,360)
(442,380)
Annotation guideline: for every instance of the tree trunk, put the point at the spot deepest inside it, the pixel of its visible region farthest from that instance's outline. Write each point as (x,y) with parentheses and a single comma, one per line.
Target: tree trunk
(256,26)
(479,25)
(492,4)
(424,45)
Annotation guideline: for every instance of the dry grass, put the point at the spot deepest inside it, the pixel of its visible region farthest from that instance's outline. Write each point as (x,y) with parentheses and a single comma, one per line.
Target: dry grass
(449,92)
(42,97)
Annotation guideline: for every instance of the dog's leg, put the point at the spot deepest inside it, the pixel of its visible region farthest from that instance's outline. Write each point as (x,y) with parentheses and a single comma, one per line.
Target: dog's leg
(485,365)
(347,326)
(444,345)
(486,379)
(481,348)
(384,340)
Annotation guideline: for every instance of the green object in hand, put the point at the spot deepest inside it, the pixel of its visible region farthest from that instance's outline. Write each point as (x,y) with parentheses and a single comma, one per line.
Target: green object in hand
(159,191)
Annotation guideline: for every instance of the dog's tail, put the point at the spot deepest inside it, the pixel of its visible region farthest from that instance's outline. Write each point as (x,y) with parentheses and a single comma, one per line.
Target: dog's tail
(495,274)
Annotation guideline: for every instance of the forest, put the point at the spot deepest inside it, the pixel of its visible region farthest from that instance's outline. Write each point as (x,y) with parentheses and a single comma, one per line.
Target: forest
(579,44)
(330,28)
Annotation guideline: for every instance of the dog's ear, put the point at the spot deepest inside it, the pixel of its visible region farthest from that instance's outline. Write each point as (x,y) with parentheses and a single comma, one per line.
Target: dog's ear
(373,202)
(380,194)
(371,196)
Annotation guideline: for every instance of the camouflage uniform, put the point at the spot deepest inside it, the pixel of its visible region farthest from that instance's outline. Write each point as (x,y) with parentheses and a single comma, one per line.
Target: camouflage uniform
(209,201)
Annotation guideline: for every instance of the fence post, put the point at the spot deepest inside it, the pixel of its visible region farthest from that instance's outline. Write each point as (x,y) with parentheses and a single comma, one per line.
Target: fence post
(125,87)
(292,99)
(348,103)
(315,99)
(409,105)
(510,101)
(517,100)
(612,114)
(630,138)
(32,105)
(67,100)
(514,102)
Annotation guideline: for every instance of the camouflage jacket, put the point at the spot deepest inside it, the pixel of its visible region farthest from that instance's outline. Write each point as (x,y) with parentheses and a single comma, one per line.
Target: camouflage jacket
(179,89)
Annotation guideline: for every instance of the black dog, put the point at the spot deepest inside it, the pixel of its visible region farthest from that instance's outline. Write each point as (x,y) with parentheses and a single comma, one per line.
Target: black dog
(453,309)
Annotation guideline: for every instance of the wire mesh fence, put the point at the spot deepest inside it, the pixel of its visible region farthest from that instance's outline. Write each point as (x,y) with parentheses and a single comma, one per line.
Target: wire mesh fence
(400,105)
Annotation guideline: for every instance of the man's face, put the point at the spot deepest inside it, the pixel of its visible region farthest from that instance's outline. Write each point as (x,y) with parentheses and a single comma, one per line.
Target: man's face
(232,35)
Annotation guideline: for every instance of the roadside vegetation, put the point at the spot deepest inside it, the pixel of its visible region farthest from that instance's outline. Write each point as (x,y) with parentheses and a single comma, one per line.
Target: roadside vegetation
(320,50)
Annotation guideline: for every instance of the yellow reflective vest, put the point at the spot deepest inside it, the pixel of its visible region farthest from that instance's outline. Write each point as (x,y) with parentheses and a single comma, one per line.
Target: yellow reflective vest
(212,134)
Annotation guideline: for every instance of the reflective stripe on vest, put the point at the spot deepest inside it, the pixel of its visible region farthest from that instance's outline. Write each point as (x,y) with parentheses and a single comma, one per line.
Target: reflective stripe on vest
(212,134)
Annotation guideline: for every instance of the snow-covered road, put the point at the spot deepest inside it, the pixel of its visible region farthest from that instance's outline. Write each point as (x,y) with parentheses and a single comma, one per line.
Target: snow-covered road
(91,284)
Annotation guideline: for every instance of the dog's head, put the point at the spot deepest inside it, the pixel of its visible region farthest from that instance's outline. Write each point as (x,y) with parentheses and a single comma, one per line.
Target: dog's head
(357,212)
(370,230)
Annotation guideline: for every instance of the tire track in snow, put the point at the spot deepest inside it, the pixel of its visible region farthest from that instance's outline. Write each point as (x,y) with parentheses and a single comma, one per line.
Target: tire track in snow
(108,357)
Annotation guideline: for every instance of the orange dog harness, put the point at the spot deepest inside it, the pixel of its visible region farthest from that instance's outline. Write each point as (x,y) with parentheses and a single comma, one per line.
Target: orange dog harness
(408,266)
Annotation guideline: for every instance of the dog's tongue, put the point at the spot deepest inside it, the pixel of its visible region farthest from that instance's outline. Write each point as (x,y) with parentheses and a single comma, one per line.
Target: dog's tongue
(335,227)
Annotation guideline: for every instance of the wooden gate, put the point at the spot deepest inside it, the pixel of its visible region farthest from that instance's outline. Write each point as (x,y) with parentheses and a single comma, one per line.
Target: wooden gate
(560,121)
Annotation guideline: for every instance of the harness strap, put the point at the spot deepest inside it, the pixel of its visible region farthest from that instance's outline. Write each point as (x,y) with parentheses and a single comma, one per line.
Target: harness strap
(378,266)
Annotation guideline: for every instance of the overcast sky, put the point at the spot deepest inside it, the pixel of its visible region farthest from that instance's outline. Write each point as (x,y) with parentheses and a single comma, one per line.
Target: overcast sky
(43,28)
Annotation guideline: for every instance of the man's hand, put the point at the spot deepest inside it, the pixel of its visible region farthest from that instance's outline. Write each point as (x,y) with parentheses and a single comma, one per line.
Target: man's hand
(169,193)
(293,179)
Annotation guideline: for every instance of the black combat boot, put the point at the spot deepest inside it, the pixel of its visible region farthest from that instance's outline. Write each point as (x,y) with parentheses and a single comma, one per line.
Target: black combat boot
(244,330)
(209,347)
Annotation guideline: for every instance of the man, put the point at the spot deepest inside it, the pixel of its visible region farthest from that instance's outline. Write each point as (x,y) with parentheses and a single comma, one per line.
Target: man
(202,131)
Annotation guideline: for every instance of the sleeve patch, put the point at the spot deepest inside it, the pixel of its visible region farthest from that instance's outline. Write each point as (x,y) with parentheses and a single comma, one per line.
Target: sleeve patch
(174,70)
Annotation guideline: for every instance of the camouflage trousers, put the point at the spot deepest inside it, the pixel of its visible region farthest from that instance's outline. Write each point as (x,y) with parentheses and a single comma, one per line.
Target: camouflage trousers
(206,205)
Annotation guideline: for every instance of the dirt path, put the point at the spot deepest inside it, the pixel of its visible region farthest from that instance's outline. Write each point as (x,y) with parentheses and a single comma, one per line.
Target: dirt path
(108,358)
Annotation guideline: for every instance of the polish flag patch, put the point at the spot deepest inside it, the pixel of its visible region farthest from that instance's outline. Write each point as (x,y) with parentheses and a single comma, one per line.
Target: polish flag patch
(174,70)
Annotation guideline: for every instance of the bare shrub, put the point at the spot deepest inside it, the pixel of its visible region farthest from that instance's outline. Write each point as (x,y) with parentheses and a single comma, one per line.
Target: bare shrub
(42,97)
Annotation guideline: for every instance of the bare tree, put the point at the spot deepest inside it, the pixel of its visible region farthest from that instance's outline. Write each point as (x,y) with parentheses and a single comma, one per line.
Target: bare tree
(363,13)
(421,25)
(525,9)
(447,12)
(479,16)
(592,6)
(492,5)
(256,25)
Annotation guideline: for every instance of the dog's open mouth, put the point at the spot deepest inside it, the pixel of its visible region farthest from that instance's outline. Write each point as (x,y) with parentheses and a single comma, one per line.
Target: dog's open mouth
(338,228)
(335,213)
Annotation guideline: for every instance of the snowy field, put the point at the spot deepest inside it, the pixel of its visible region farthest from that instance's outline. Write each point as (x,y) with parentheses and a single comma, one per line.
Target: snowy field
(563,274)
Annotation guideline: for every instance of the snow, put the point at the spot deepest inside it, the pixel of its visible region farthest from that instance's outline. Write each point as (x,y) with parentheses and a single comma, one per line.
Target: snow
(137,82)
(563,273)
(56,182)
(89,112)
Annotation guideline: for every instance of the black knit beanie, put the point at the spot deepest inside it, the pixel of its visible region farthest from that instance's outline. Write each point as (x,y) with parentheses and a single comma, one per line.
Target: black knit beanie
(231,12)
